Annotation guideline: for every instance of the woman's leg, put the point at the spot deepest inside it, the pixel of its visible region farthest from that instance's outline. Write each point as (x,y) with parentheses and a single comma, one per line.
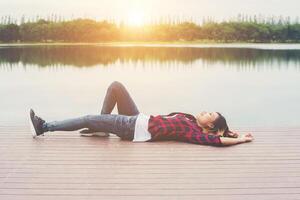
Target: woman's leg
(117,94)
(121,125)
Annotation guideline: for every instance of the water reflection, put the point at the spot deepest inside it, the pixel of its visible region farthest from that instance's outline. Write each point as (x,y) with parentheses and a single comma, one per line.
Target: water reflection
(60,82)
(86,56)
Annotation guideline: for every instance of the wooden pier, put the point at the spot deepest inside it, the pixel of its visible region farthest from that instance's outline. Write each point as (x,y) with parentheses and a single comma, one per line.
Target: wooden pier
(63,165)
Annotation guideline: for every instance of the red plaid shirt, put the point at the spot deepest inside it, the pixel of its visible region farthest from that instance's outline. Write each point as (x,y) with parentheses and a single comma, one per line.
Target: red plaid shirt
(181,127)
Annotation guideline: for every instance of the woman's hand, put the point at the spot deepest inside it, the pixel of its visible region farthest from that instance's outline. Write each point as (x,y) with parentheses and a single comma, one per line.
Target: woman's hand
(247,137)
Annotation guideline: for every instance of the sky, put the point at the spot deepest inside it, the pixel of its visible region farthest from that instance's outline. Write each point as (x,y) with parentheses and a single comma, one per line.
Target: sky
(147,10)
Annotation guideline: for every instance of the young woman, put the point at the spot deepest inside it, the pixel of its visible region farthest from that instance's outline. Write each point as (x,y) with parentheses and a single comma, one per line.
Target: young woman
(204,128)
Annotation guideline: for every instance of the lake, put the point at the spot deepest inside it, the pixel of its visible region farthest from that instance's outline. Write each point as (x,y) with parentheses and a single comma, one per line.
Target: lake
(251,85)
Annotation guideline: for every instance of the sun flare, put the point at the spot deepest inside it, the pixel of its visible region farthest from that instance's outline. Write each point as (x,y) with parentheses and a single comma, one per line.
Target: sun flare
(136,19)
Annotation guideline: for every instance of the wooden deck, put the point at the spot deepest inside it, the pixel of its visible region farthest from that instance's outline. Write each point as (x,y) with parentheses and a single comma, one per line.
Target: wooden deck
(66,166)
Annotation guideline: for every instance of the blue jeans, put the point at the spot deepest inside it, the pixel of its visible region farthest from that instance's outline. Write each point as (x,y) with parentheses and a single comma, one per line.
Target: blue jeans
(122,125)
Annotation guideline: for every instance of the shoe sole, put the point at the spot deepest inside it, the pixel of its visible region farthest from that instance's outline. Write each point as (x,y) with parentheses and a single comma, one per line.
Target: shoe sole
(98,134)
(33,132)
(101,134)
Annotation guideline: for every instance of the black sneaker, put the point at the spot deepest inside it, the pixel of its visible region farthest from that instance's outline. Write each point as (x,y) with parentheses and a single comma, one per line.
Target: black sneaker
(89,133)
(36,124)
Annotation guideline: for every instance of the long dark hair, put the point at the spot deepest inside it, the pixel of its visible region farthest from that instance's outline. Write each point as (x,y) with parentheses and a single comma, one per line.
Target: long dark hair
(221,124)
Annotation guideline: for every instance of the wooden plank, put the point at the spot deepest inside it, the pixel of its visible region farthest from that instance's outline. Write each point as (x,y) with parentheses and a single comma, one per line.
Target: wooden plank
(157,170)
(153,179)
(153,196)
(153,185)
(148,192)
(115,175)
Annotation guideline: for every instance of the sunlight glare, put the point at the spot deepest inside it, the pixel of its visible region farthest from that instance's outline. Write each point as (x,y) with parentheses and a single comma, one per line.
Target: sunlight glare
(136,19)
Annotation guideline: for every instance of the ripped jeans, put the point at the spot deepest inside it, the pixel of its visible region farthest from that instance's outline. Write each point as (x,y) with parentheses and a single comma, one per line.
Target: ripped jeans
(122,125)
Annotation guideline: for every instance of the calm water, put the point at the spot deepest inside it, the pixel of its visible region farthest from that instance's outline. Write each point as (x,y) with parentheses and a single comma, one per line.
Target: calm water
(249,85)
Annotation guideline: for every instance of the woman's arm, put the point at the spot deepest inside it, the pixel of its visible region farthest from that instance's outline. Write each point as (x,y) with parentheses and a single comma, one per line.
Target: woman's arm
(226,141)
(232,134)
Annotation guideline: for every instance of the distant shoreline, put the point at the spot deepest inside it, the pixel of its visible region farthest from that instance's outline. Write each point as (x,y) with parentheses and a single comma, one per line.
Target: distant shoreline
(165,44)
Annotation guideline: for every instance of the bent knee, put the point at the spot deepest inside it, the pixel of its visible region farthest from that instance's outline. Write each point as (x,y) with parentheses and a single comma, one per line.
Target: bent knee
(115,85)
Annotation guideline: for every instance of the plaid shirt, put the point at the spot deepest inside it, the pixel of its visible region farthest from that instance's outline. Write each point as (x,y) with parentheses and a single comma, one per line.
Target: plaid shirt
(181,127)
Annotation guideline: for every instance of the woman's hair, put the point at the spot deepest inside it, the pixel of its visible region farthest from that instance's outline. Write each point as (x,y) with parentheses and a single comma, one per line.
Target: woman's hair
(221,124)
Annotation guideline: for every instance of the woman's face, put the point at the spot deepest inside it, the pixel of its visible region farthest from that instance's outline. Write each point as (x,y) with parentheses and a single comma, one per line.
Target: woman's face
(206,119)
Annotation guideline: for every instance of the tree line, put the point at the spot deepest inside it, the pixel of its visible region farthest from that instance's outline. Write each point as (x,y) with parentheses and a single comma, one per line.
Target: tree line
(89,30)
